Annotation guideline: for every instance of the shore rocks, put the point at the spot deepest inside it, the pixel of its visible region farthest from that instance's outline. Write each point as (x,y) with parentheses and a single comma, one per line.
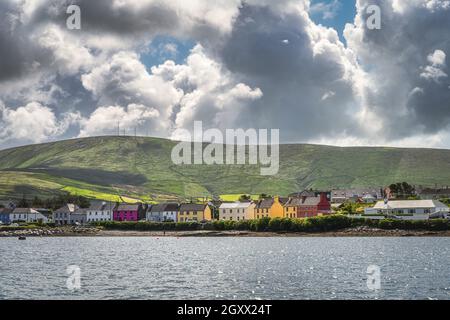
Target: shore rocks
(48,232)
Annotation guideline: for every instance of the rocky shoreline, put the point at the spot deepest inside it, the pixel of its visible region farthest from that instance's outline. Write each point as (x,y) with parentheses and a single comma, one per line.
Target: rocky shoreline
(98,232)
(50,232)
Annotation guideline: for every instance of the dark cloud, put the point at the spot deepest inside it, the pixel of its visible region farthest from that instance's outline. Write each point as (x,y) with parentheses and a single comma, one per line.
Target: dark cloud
(304,90)
(394,58)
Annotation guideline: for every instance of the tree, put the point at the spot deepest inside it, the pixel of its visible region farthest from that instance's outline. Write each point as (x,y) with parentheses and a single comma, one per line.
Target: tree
(23,203)
(402,190)
(37,202)
(244,198)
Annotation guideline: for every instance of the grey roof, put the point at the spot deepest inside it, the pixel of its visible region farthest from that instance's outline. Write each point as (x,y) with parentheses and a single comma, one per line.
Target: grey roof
(127,207)
(161,207)
(100,206)
(68,208)
(267,203)
(25,211)
(264,204)
(192,207)
(305,201)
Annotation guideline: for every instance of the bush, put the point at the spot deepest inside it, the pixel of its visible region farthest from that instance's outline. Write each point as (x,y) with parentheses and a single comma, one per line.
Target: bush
(314,224)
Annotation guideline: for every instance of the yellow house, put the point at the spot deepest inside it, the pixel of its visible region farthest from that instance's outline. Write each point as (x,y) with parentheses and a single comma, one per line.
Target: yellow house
(194,212)
(290,208)
(270,208)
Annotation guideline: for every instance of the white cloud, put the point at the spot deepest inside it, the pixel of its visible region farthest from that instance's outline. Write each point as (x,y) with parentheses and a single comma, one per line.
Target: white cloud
(108,120)
(328,10)
(32,123)
(257,63)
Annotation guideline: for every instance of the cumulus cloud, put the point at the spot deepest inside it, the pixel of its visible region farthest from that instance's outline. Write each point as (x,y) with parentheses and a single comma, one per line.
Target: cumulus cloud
(405,87)
(32,123)
(435,71)
(255,63)
(109,120)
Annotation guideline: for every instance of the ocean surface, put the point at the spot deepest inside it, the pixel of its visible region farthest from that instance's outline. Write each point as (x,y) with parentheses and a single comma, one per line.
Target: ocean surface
(224,268)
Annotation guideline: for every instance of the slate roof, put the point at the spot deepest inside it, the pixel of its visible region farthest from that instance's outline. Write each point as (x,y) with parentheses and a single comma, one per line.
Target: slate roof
(127,207)
(25,211)
(68,208)
(192,207)
(101,206)
(305,201)
(163,207)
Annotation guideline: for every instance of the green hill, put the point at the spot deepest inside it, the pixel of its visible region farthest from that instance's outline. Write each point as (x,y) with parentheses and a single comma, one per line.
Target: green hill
(141,168)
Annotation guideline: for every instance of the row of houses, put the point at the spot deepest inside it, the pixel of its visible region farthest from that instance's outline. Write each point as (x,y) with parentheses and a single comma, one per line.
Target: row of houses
(372,195)
(297,206)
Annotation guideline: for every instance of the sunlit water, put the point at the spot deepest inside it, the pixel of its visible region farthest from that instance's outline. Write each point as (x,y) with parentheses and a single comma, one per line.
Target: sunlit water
(225,268)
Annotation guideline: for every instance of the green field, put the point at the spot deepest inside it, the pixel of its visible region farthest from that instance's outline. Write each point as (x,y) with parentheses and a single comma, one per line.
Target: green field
(141,168)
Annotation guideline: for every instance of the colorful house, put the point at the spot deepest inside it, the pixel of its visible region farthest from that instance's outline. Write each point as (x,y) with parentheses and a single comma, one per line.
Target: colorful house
(194,212)
(5,215)
(126,212)
(270,208)
(237,211)
(304,206)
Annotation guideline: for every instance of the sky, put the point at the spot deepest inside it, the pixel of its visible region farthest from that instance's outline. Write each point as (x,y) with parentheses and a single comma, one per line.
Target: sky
(312,69)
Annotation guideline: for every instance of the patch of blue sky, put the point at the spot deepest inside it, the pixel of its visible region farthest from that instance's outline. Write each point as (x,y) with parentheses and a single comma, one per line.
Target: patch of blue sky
(163,48)
(333,13)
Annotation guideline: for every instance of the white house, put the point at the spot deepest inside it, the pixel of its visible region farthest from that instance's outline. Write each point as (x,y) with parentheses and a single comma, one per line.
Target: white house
(62,216)
(100,211)
(236,211)
(28,215)
(408,209)
(163,212)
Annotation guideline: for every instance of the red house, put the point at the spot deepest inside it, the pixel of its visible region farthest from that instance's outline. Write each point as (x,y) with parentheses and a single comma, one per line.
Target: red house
(307,206)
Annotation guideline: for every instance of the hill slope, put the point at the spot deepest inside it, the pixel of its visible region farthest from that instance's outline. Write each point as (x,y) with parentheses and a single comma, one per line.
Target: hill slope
(102,167)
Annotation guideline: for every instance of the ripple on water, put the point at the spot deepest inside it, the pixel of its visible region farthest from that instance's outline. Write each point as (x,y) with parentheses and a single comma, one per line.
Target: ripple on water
(225,268)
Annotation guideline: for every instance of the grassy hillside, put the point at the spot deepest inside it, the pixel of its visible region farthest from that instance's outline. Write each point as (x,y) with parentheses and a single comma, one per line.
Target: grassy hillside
(141,168)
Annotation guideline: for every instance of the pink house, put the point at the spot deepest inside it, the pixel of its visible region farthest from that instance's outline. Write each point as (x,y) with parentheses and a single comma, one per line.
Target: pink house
(126,212)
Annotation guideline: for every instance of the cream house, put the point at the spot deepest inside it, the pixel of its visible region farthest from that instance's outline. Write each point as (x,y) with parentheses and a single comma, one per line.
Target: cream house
(236,211)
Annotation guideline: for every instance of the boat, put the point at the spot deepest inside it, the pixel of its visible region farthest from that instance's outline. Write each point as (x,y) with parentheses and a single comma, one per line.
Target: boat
(22,238)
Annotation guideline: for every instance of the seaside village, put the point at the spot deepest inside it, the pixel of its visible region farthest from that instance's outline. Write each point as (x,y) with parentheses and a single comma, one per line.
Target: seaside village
(372,204)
